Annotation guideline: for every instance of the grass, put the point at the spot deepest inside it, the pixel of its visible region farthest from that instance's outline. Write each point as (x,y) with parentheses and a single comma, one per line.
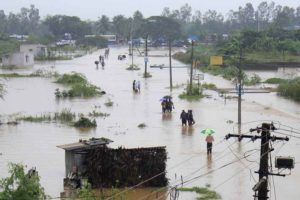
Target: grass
(98,114)
(205,193)
(133,67)
(226,72)
(209,86)
(275,81)
(37,73)
(193,95)
(272,56)
(41,118)
(109,103)
(64,116)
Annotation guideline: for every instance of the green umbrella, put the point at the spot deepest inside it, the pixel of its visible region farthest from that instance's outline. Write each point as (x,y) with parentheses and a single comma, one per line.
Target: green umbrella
(207,131)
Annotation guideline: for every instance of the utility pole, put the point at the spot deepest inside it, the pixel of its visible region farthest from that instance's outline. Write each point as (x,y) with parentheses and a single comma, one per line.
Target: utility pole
(191,75)
(170,62)
(146,56)
(240,92)
(262,186)
(264,164)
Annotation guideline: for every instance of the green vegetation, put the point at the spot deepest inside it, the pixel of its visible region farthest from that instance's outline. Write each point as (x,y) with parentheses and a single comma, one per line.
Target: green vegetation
(192,95)
(226,72)
(209,86)
(205,193)
(133,67)
(290,89)
(96,41)
(79,86)
(109,103)
(41,118)
(275,81)
(8,45)
(202,53)
(21,185)
(83,90)
(142,125)
(72,78)
(86,192)
(37,73)
(84,122)
(98,114)
(64,116)
(254,80)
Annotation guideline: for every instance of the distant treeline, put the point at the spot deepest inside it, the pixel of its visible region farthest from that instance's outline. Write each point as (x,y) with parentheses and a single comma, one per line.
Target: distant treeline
(266,15)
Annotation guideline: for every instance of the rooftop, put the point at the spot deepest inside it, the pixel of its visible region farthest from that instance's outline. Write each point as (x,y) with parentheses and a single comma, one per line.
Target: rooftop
(86,144)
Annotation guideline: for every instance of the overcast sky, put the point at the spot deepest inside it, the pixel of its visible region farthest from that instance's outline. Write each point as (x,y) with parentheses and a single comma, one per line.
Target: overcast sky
(92,9)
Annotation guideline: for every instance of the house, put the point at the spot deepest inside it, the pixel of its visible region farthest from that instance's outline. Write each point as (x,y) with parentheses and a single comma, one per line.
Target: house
(103,166)
(19,59)
(38,50)
(75,152)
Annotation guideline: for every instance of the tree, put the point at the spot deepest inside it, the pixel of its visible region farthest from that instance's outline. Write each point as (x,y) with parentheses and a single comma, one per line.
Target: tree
(122,26)
(103,25)
(158,26)
(21,185)
(61,24)
(138,20)
(185,13)
(3,22)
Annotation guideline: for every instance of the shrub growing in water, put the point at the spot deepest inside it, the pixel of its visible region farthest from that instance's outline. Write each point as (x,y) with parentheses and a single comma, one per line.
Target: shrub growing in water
(84,122)
(73,78)
(290,89)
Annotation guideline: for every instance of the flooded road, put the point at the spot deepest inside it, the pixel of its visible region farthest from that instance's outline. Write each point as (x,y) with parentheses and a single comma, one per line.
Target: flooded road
(34,144)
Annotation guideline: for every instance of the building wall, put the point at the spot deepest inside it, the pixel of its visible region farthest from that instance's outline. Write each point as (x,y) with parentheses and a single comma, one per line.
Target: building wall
(36,49)
(18,59)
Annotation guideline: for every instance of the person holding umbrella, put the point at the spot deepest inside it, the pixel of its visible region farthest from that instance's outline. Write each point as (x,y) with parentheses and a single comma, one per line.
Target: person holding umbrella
(209,139)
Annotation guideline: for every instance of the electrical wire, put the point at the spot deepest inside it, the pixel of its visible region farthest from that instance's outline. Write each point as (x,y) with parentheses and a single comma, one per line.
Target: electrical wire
(132,187)
(241,161)
(298,137)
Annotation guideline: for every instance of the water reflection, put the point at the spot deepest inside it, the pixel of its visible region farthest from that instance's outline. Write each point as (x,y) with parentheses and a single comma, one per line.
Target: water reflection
(166,116)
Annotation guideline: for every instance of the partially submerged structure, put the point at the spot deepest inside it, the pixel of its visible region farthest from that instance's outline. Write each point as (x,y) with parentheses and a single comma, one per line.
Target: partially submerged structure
(107,167)
(20,59)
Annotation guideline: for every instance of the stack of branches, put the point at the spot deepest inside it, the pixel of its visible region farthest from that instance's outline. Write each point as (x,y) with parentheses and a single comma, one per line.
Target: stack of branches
(122,167)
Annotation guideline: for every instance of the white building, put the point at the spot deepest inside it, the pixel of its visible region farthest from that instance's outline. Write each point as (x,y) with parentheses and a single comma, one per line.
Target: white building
(38,50)
(20,59)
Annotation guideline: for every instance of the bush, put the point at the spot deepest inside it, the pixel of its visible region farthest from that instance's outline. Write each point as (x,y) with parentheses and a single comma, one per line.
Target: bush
(83,90)
(73,78)
(275,81)
(21,185)
(195,93)
(84,122)
(290,89)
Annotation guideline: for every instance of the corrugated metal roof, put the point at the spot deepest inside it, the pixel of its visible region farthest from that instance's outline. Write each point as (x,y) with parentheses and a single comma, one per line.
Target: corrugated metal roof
(85,144)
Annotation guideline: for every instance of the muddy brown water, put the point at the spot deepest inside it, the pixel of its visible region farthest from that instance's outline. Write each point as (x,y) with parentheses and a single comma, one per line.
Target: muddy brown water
(34,144)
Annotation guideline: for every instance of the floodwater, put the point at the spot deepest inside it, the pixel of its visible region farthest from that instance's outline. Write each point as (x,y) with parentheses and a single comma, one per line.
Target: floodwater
(34,144)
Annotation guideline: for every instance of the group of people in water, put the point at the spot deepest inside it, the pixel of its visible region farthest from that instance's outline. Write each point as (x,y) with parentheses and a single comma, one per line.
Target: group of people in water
(102,58)
(187,118)
(136,86)
(167,104)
